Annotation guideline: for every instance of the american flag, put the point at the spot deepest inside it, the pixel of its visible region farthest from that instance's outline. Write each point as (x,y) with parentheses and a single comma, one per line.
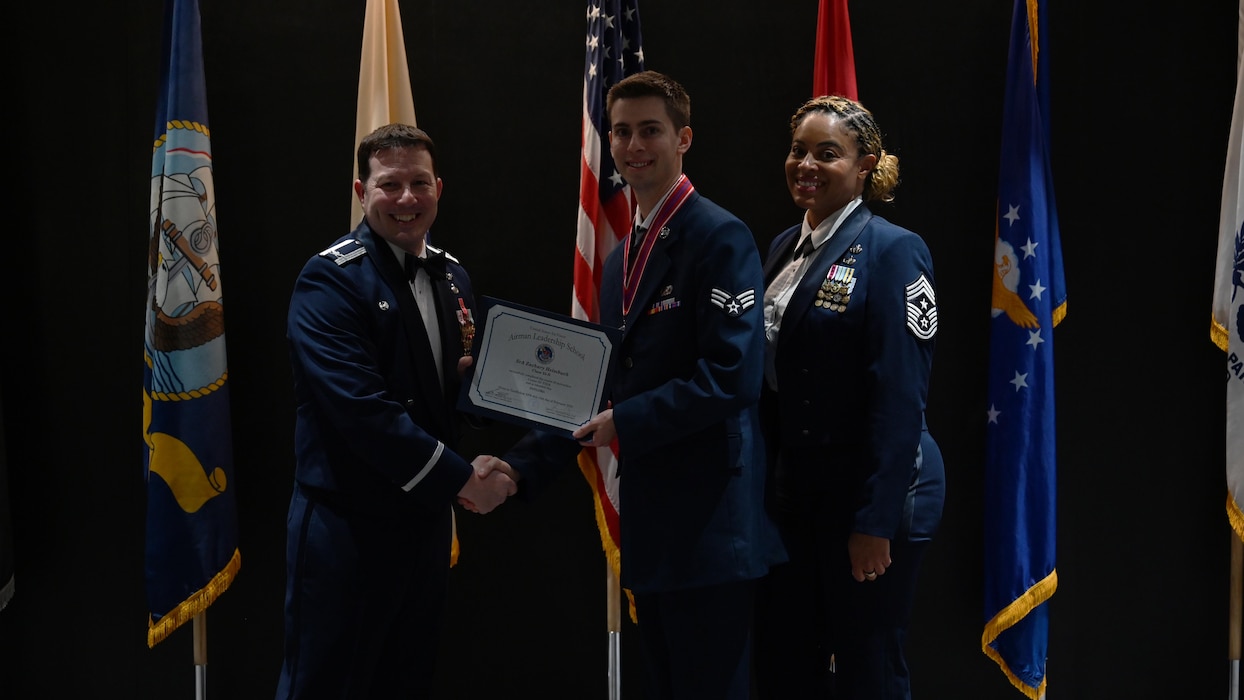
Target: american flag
(614,51)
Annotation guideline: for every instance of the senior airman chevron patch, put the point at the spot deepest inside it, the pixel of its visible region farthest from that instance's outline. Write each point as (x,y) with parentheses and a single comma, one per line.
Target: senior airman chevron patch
(733,304)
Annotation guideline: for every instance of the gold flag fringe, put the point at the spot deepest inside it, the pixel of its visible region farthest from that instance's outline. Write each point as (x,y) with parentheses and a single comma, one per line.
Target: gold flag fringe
(195,604)
(612,553)
(454,549)
(1218,333)
(1008,617)
(1236,516)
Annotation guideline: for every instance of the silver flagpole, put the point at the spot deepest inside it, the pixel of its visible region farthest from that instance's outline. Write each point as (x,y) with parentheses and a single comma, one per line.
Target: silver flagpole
(615,666)
(200,656)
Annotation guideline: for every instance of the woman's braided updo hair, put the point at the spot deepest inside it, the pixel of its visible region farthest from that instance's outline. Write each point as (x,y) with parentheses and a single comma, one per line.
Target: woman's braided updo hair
(860,122)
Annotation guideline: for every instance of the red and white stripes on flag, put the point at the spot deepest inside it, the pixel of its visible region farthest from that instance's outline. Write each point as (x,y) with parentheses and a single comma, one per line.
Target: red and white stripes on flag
(614,51)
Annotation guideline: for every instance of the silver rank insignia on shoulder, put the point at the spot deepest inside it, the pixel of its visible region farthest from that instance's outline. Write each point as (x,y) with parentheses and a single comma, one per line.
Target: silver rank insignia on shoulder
(345,251)
(733,304)
(921,308)
(835,291)
(433,250)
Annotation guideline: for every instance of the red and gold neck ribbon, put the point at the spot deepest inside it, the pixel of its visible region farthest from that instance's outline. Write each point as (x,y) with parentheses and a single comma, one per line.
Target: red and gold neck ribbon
(631,275)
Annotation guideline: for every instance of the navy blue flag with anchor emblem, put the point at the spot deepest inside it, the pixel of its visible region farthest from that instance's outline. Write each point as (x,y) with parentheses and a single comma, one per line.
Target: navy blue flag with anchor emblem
(192,537)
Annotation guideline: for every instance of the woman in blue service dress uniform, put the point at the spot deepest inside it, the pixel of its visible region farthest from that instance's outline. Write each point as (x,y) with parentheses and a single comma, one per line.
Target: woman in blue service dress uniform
(857,482)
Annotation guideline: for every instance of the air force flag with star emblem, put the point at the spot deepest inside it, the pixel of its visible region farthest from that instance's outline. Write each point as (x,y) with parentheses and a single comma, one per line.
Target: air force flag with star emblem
(1029,301)
(733,304)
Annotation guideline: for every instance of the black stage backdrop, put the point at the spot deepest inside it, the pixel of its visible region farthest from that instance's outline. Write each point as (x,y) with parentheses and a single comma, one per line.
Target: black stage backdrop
(1142,97)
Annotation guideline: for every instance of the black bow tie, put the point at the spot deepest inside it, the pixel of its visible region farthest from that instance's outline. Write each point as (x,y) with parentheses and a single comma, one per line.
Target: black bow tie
(434,264)
(805,248)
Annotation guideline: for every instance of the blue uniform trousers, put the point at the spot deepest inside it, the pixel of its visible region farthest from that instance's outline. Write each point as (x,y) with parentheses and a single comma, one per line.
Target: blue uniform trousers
(697,641)
(811,608)
(364,601)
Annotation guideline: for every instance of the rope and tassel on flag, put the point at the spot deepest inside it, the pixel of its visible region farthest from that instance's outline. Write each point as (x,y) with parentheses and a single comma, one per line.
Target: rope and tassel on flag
(614,51)
(1029,300)
(192,551)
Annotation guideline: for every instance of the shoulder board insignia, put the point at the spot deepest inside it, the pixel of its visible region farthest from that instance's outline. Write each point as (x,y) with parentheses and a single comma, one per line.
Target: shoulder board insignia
(345,251)
(433,250)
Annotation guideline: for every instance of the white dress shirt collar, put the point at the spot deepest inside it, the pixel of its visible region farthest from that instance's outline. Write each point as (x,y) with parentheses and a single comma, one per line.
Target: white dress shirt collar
(827,228)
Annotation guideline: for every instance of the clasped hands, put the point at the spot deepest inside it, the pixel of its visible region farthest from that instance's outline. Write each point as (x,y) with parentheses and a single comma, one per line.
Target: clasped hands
(492,481)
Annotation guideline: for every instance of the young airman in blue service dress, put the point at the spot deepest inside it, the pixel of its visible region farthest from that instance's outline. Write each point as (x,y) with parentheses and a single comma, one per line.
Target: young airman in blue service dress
(685,287)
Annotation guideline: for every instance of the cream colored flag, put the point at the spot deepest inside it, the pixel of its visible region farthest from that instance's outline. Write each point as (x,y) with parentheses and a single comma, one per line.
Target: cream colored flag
(1227,329)
(384,81)
(384,98)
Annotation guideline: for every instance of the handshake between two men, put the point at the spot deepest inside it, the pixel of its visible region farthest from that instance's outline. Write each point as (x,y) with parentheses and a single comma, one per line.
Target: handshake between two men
(490,484)
(494,480)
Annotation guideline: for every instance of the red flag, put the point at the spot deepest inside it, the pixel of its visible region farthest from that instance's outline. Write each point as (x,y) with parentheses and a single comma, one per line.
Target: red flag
(834,70)
(613,52)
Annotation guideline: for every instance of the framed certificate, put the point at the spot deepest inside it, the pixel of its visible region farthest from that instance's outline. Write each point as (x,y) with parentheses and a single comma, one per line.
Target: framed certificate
(538,369)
